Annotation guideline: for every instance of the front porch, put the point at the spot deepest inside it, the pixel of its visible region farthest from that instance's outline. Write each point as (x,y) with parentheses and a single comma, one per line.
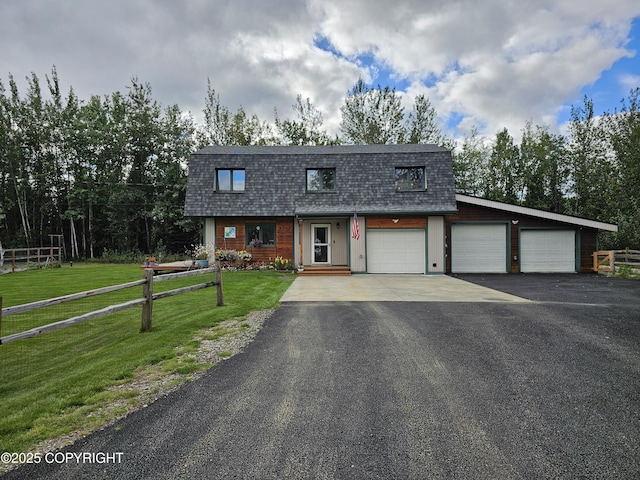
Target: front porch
(323,245)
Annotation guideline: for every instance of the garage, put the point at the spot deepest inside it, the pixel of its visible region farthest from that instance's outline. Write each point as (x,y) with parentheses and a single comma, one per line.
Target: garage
(396,251)
(545,251)
(479,248)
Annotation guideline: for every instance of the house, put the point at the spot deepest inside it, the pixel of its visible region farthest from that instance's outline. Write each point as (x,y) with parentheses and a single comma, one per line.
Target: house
(301,203)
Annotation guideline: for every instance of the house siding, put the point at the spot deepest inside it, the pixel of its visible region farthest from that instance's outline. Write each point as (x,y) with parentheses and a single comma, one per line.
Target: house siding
(358,247)
(435,245)
(210,232)
(267,254)
(401,222)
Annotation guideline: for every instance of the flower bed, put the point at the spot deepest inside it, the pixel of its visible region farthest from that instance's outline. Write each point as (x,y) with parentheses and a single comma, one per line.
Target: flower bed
(243,260)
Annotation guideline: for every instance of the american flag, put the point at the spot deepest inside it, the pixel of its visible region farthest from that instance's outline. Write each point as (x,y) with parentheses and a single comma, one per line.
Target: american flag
(355,231)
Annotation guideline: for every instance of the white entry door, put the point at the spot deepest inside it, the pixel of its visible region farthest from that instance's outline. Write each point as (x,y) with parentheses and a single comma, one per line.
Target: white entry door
(321,244)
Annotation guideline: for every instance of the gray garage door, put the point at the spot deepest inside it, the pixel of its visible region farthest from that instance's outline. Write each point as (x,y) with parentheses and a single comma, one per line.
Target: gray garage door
(478,248)
(396,251)
(548,251)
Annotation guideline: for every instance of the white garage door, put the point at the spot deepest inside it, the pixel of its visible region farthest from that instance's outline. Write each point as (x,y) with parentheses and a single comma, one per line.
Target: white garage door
(547,251)
(478,248)
(396,251)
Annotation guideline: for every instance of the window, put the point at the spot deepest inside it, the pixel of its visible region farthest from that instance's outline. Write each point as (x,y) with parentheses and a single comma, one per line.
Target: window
(230,180)
(410,178)
(261,234)
(321,180)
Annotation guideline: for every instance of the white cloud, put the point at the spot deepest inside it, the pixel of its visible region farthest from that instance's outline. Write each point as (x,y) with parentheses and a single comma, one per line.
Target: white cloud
(498,64)
(493,63)
(629,82)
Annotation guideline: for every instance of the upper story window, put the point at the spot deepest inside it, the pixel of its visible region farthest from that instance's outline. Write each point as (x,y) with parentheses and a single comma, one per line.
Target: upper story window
(410,178)
(230,180)
(321,179)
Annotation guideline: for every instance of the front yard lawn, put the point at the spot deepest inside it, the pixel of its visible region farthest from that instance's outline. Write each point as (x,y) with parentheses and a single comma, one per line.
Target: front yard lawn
(59,382)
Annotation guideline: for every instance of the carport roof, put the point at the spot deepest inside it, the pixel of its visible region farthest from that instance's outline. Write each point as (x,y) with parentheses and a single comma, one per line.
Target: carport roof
(532,212)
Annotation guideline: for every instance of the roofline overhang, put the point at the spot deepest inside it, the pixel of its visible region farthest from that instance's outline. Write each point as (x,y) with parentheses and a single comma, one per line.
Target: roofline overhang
(532,212)
(334,213)
(349,213)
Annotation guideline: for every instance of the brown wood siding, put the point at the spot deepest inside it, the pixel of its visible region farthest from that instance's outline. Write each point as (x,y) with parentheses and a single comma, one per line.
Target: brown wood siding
(284,237)
(473,213)
(588,245)
(403,222)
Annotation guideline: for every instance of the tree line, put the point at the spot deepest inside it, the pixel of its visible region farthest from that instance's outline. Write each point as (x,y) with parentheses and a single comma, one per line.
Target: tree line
(593,172)
(109,172)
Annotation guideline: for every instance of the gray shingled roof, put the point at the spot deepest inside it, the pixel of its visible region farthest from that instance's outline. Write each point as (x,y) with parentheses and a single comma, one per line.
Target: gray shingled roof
(275,183)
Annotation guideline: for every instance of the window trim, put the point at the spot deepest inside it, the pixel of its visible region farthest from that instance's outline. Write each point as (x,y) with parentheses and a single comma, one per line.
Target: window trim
(323,190)
(408,168)
(231,180)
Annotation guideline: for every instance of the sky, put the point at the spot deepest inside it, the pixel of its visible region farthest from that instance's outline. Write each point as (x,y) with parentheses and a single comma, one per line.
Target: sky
(492,64)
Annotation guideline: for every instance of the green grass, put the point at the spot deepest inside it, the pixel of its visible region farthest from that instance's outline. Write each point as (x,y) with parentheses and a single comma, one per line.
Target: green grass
(59,382)
(625,271)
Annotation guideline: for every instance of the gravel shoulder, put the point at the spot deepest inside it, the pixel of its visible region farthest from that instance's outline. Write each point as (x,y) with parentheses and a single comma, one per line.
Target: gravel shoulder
(217,344)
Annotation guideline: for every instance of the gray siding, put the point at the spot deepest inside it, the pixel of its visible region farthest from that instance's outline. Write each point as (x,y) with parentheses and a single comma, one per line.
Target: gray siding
(435,245)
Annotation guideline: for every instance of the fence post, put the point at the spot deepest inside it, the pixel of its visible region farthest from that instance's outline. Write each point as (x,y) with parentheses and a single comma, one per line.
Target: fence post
(219,283)
(147,293)
(612,261)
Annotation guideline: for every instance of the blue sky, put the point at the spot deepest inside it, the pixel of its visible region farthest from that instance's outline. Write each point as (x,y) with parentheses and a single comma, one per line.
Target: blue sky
(613,84)
(489,64)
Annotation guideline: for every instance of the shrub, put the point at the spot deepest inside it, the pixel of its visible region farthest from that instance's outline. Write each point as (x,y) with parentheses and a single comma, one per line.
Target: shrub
(227,255)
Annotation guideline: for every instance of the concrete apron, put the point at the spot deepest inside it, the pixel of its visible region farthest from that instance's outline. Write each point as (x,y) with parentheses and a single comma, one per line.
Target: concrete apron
(392,288)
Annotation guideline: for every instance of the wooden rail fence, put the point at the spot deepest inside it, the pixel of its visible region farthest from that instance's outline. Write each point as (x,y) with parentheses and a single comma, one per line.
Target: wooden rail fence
(607,260)
(38,257)
(148,297)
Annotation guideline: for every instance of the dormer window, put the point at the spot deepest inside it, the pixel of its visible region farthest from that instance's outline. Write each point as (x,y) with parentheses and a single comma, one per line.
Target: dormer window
(410,179)
(230,180)
(321,179)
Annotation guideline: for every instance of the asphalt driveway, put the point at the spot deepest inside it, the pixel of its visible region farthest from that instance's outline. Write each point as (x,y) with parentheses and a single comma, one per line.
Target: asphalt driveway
(403,389)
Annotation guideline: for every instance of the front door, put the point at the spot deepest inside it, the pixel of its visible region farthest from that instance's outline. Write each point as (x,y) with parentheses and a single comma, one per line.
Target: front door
(321,247)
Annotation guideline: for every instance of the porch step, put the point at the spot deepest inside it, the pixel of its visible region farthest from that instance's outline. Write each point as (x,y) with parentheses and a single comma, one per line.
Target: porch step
(317,270)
